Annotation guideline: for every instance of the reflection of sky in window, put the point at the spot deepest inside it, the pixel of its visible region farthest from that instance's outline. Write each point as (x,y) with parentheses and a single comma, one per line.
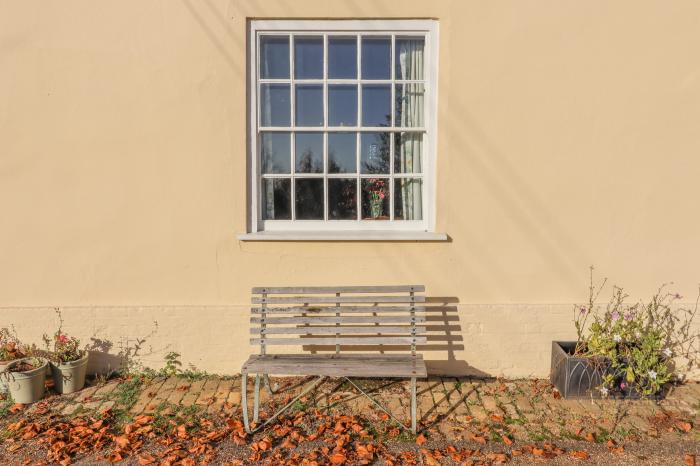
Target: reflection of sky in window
(342,105)
(309,105)
(376,56)
(308,57)
(274,57)
(342,155)
(342,57)
(376,105)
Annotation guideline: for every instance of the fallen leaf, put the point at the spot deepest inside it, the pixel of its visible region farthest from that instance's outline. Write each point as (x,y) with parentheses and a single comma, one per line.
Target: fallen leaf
(496,418)
(17,407)
(338,458)
(590,437)
(579,454)
(506,440)
(146,459)
(689,460)
(684,426)
(420,440)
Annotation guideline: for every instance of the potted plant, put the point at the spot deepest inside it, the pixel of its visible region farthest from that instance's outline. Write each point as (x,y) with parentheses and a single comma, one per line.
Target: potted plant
(623,350)
(68,361)
(10,349)
(25,379)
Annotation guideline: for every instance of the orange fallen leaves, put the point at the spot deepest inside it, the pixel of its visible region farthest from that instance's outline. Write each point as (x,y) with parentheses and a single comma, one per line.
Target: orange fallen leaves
(420,440)
(579,454)
(689,460)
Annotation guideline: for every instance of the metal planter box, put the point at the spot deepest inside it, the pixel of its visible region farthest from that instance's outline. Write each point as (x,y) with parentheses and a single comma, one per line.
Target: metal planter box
(574,377)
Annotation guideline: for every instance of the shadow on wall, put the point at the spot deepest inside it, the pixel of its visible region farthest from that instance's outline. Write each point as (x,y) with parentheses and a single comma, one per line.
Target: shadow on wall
(105,361)
(444,335)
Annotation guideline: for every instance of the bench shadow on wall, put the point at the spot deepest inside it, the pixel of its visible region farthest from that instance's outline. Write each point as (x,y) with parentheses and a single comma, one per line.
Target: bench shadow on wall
(444,335)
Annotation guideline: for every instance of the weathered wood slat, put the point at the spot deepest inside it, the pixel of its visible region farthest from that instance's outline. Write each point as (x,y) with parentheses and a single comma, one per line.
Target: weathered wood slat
(337,289)
(335,309)
(363,365)
(336,299)
(341,340)
(405,330)
(395,319)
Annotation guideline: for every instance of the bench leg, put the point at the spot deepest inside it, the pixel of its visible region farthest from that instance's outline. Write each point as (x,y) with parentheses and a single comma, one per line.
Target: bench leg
(256,399)
(270,390)
(413,405)
(244,401)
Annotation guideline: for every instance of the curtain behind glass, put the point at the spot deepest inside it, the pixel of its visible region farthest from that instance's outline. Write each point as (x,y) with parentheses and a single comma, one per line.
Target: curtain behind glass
(411,67)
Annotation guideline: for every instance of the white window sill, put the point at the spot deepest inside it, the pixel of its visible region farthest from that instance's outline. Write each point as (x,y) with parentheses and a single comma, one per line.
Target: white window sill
(343,236)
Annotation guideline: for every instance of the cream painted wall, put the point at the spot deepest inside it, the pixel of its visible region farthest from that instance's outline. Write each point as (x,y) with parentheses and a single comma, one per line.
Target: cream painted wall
(567,137)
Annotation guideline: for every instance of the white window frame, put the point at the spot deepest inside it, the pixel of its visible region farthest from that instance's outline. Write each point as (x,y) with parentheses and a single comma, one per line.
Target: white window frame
(426,28)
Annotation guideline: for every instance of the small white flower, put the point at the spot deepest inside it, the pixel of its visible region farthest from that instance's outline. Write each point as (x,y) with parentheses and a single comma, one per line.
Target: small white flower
(604,391)
(667,352)
(617,338)
(652,375)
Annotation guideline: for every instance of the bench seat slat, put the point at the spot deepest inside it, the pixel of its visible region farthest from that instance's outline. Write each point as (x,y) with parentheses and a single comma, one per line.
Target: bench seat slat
(341,340)
(336,299)
(338,365)
(396,319)
(405,330)
(337,289)
(336,309)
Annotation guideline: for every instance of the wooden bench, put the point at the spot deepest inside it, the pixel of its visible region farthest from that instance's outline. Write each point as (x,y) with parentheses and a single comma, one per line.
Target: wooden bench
(348,318)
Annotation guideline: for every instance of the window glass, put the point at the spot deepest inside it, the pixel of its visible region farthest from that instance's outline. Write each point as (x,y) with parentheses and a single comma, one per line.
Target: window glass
(309,105)
(408,152)
(274,105)
(376,105)
(276,198)
(342,105)
(275,149)
(308,57)
(376,58)
(342,199)
(409,105)
(274,57)
(374,152)
(309,199)
(375,199)
(342,57)
(408,199)
(308,150)
(342,152)
(408,57)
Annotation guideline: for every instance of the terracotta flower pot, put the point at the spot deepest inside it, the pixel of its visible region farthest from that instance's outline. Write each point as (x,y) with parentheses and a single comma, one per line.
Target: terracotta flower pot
(28,386)
(69,377)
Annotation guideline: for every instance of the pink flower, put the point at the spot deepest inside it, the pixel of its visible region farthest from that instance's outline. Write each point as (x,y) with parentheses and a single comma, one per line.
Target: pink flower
(623,385)
(62,338)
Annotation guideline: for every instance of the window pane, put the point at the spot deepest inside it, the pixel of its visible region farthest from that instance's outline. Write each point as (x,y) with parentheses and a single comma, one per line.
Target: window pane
(274,57)
(408,59)
(276,199)
(275,152)
(408,199)
(408,153)
(342,199)
(308,57)
(409,105)
(374,152)
(274,105)
(376,105)
(342,105)
(342,152)
(375,199)
(309,105)
(376,58)
(309,199)
(309,152)
(342,57)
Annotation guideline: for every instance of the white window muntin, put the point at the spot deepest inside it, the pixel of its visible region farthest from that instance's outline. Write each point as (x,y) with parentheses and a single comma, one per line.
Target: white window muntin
(426,29)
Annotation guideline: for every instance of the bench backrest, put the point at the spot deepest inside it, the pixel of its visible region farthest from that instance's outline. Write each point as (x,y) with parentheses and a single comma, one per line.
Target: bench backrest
(338,315)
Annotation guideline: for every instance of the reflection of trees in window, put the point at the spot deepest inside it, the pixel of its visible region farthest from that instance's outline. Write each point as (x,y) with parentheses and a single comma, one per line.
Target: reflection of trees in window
(305,163)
